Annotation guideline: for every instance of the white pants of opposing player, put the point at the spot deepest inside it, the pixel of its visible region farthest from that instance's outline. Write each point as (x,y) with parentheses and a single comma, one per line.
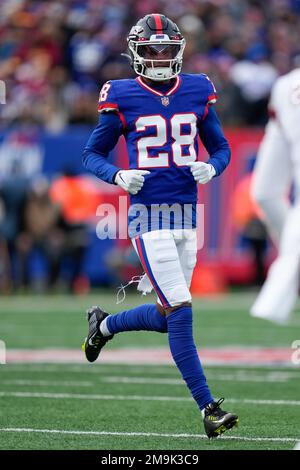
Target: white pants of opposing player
(272,179)
(279,293)
(168,258)
(277,164)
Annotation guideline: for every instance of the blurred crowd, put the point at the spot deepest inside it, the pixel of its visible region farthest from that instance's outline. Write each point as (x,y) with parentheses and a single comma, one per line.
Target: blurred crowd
(48,219)
(42,241)
(55,55)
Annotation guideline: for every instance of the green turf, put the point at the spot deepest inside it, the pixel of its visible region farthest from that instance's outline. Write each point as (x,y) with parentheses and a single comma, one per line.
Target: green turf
(34,322)
(59,321)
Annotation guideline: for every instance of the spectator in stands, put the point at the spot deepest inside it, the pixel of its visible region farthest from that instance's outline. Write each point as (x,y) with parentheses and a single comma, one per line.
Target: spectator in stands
(45,232)
(42,231)
(54,56)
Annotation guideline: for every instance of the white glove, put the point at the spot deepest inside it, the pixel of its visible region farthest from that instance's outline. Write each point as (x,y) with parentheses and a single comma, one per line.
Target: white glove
(131,180)
(202,172)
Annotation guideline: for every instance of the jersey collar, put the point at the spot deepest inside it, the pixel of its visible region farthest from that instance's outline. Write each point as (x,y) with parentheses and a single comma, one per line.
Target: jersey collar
(157,92)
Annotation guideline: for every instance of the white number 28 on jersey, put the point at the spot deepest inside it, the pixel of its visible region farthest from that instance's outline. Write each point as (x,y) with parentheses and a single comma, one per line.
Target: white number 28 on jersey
(160,138)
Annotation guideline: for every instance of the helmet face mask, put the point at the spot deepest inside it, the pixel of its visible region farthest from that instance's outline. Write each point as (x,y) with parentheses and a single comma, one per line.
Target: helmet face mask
(156,55)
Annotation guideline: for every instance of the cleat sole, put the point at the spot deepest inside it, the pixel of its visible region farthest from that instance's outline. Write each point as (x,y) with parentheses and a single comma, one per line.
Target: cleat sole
(223,428)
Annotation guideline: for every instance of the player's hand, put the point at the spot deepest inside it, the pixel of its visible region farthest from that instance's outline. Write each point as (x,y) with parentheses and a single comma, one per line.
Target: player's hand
(202,172)
(131,180)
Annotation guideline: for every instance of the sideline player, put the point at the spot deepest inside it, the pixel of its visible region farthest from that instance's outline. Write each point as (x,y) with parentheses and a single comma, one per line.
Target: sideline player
(277,167)
(161,113)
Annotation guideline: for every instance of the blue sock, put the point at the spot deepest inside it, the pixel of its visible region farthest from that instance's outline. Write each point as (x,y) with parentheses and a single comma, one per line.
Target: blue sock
(145,317)
(184,352)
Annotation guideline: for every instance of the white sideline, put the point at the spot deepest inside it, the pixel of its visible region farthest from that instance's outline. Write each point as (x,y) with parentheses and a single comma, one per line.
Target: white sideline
(239,375)
(48,383)
(79,396)
(147,434)
(156,368)
(246,376)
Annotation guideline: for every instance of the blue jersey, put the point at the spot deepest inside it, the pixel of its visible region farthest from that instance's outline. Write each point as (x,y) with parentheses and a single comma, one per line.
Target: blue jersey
(161,125)
(161,132)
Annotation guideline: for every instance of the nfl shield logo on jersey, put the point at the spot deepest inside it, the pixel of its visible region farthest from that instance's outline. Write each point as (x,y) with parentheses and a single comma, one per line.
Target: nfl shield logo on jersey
(165,100)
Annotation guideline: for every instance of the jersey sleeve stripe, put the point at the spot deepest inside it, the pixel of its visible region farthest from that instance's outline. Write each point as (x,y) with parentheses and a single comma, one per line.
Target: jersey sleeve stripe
(212,98)
(107,106)
(205,112)
(123,120)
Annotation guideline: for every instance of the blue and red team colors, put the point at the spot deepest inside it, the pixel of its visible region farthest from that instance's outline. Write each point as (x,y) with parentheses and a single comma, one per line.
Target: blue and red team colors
(161,125)
(161,114)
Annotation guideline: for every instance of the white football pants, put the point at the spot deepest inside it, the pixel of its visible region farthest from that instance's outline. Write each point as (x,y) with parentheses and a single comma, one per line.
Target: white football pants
(168,258)
(279,293)
(272,179)
(275,168)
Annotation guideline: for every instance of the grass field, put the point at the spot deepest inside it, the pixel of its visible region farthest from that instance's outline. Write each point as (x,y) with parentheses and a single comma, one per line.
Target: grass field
(129,406)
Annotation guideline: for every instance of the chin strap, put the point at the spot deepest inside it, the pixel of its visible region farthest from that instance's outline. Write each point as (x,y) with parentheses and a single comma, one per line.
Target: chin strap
(127,56)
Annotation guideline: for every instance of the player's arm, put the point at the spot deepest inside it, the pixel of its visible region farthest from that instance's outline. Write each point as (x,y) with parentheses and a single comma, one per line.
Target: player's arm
(213,139)
(216,144)
(103,139)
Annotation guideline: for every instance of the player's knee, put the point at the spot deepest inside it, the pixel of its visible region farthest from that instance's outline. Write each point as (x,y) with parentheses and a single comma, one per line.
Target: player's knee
(177,307)
(183,304)
(179,296)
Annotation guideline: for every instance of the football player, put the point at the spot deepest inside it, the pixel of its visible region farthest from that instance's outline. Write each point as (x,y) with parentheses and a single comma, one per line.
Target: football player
(161,113)
(278,165)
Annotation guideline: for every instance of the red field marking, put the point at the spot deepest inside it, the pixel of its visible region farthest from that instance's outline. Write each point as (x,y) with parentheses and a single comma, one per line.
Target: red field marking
(156,356)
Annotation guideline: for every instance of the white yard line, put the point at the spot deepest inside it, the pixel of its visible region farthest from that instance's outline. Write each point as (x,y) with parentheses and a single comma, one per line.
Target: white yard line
(291,371)
(146,434)
(78,396)
(250,401)
(239,376)
(47,383)
(141,381)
